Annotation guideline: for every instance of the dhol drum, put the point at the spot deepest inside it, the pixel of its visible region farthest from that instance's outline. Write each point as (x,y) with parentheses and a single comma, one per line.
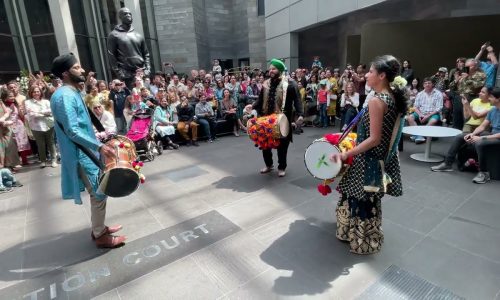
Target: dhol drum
(317,160)
(119,178)
(266,131)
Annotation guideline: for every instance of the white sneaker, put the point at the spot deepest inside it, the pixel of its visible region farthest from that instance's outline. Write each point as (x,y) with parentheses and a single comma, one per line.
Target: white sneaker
(54,164)
(43,165)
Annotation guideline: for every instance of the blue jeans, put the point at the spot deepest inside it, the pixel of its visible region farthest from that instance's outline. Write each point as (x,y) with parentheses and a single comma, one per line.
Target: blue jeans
(208,127)
(323,117)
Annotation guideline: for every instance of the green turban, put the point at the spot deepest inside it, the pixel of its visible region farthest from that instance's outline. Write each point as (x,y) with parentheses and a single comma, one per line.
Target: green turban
(278,64)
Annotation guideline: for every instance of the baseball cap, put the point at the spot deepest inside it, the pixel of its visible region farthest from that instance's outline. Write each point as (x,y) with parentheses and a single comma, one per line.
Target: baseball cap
(443,69)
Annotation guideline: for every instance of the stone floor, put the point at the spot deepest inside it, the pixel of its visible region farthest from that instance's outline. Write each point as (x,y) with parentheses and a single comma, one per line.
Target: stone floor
(206,225)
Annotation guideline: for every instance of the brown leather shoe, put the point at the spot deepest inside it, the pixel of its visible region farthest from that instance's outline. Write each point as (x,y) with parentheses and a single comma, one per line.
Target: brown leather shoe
(110,241)
(109,230)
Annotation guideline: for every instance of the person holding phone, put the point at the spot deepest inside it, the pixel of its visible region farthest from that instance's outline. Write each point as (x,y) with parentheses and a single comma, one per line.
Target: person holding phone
(471,80)
(490,65)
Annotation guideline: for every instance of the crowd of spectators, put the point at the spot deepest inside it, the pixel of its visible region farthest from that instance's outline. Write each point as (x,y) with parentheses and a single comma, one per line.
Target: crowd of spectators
(189,107)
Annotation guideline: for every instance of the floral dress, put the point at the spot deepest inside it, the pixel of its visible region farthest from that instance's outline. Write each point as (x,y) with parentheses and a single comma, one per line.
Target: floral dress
(359,210)
(19,129)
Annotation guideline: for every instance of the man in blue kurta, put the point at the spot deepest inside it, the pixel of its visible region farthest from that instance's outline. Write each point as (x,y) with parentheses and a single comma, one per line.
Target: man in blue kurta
(74,126)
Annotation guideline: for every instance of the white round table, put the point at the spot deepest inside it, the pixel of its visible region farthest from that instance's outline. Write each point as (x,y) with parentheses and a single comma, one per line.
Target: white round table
(429,132)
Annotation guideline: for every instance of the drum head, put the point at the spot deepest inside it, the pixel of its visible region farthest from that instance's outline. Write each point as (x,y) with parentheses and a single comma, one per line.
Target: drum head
(283,124)
(119,182)
(317,160)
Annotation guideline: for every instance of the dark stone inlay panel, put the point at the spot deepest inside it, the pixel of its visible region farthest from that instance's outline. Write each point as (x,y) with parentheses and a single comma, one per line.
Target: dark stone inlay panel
(116,267)
(185,173)
(397,283)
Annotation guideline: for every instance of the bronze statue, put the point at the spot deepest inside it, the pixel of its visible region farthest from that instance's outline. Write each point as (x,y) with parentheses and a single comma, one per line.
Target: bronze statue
(127,50)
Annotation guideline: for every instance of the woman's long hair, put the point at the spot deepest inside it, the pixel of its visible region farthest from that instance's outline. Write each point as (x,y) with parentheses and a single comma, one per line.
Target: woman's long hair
(390,65)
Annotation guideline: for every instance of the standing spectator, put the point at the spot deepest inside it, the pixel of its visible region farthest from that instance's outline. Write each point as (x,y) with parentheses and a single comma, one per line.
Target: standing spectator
(440,79)
(490,65)
(428,105)
(13,86)
(104,92)
(186,121)
(317,63)
(359,83)
(41,122)
(407,71)
(205,117)
(469,84)
(18,127)
(9,157)
(92,96)
(153,88)
(107,120)
(179,87)
(119,95)
(349,103)
(460,67)
(322,102)
(216,69)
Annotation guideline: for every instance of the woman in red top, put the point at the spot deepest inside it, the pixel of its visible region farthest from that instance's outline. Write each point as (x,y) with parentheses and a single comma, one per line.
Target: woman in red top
(323,101)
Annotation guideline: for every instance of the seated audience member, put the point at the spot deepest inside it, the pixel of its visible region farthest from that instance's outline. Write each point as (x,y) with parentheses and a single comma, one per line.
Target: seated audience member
(8,181)
(106,118)
(249,113)
(229,111)
(489,66)
(477,110)
(481,139)
(185,113)
(164,125)
(349,103)
(428,105)
(205,117)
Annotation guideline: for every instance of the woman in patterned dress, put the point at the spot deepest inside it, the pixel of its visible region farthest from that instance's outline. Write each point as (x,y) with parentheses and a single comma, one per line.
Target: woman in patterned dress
(17,118)
(9,158)
(359,211)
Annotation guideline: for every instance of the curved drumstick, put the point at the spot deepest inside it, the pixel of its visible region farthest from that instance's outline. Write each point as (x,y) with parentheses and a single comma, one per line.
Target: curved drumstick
(351,125)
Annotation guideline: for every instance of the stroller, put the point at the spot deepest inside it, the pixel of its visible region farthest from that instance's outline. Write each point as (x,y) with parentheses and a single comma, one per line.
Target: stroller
(143,135)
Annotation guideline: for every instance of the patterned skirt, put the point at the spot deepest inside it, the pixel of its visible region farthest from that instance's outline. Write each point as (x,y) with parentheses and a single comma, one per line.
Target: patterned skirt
(359,222)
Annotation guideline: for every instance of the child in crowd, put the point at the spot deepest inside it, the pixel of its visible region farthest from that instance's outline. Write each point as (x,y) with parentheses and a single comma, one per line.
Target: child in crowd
(8,181)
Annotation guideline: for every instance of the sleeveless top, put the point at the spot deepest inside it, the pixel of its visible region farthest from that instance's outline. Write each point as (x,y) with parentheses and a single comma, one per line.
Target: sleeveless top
(368,168)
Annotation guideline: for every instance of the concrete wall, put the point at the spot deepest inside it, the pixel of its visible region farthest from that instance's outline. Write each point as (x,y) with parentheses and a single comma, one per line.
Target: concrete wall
(193,33)
(176,33)
(331,22)
(418,41)
(219,15)
(256,36)
(240,30)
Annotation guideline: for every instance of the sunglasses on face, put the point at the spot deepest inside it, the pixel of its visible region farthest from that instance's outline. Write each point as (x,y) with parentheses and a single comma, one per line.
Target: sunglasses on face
(96,107)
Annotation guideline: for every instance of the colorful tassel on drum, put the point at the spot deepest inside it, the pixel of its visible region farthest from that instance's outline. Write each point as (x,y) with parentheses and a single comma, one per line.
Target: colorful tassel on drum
(324,187)
(142,178)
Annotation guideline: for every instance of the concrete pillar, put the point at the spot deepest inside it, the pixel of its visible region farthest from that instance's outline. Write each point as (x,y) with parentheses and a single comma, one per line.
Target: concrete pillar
(135,9)
(63,27)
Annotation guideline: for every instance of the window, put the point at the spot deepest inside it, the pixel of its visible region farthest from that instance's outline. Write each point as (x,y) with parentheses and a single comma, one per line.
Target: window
(42,33)
(9,66)
(261,11)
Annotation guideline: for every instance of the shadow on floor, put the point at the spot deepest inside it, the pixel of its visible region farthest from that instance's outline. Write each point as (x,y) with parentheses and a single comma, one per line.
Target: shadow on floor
(314,255)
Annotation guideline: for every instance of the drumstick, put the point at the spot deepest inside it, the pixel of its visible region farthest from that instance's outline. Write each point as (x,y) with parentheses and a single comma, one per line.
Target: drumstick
(351,125)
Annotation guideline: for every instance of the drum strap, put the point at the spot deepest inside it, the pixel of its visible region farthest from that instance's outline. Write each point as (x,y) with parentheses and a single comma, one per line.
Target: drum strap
(85,150)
